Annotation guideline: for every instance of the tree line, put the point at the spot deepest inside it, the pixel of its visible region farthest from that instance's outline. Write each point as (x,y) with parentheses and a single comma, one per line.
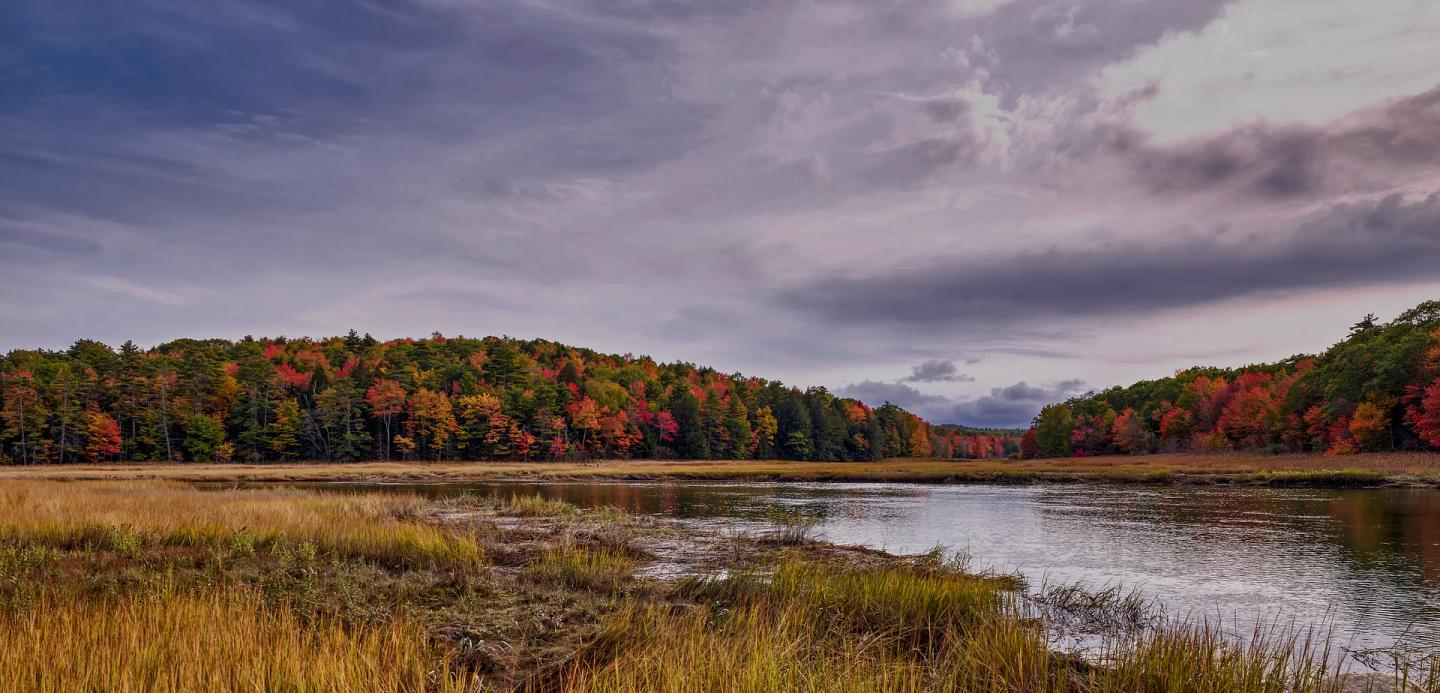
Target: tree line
(1376,390)
(496,398)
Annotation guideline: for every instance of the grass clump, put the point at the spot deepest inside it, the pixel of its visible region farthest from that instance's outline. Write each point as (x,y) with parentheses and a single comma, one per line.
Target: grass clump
(598,570)
(1107,609)
(534,506)
(904,606)
(792,527)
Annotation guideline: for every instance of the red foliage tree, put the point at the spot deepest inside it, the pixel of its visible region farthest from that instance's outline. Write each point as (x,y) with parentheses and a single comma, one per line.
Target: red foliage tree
(102,436)
(1342,442)
(667,425)
(1129,433)
(1424,414)
(292,378)
(1251,414)
(1176,427)
(1028,447)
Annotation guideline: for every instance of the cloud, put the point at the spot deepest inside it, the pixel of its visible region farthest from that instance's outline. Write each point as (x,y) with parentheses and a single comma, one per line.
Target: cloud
(1036,45)
(1280,61)
(936,371)
(1382,241)
(46,242)
(164,297)
(756,185)
(1011,406)
(876,393)
(1370,149)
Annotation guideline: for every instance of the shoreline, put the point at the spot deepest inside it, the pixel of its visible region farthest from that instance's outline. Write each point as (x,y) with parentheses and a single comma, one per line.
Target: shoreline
(1380,470)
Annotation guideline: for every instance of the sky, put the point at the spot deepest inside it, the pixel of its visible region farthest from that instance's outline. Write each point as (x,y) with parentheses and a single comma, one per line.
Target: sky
(967,207)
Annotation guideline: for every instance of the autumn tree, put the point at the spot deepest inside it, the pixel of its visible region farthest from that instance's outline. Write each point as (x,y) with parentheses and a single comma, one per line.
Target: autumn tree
(1250,416)
(483,430)
(387,400)
(1424,414)
(584,418)
(614,434)
(102,436)
(285,430)
(1176,427)
(432,421)
(1129,433)
(1368,426)
(1029,447)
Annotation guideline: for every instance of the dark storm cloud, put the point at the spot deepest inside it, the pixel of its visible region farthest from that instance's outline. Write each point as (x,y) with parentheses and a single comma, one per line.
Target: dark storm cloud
(1390,240)
(1270,161)
(1011,406)
(935,371)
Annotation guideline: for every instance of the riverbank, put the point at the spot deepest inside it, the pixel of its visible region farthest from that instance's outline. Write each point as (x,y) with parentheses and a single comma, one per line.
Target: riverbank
(1368,470)
(149,585)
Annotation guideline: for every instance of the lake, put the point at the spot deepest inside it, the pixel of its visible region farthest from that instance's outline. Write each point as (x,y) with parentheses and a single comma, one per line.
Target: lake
(1365,562)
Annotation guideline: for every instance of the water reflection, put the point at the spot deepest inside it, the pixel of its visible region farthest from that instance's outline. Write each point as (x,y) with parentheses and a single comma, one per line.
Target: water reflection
(1365,561)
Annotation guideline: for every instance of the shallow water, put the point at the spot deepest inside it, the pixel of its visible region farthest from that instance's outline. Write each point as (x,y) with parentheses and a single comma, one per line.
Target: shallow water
(1364,563)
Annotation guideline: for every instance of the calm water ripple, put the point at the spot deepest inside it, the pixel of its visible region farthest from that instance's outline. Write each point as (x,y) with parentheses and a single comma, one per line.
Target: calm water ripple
(1365,562)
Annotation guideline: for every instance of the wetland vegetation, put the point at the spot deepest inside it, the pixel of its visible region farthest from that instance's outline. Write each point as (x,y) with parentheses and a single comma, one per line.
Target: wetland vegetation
(160,585)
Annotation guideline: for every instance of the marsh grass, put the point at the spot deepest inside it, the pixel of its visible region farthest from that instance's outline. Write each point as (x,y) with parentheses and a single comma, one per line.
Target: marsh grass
(1291,469)
(212,641)
(532,506)
(1111,608)
(791,527)
(598,570)
(158,586)
(132,518)
(816,627)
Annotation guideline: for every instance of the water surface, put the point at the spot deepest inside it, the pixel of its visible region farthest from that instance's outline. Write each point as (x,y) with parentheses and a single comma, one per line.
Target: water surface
(1363,562)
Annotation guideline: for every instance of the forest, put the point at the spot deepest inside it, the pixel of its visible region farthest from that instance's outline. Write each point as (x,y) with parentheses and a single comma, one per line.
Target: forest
(496,398)
(1376,390)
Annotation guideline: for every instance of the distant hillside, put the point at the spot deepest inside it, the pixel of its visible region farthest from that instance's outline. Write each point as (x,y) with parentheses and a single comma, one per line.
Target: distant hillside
(352,397)
(1378,389)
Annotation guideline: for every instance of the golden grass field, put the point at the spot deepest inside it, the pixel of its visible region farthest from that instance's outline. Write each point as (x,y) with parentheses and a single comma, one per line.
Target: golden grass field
(1367,469)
